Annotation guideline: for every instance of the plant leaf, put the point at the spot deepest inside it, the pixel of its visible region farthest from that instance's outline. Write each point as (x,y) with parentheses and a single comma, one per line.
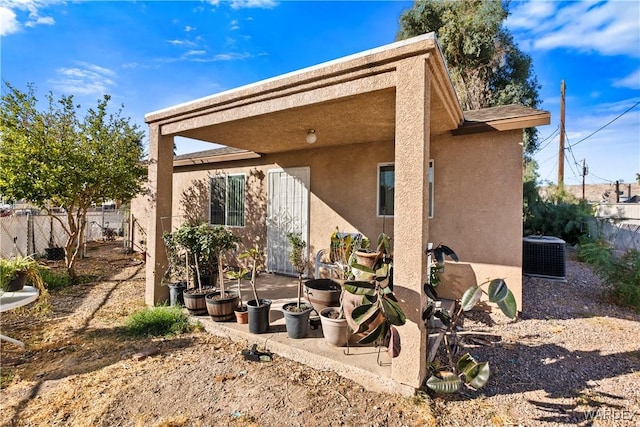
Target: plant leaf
(393,312)
(359,288)
(430,290)
(449,383)
(471,297)
(509,306)
(444,317)
(465,363)
(498,290)
(427,313)
(363,315)
(479,375)
(379,332)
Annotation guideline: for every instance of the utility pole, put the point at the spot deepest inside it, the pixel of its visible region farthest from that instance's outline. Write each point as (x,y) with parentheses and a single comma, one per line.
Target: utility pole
(617,191)
(585,172)
(561,148)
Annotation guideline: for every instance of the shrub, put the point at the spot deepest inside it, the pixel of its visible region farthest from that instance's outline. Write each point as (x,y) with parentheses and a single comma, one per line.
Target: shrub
(559,214)
(621,274)
(158,321)
(55,280)
(624,278)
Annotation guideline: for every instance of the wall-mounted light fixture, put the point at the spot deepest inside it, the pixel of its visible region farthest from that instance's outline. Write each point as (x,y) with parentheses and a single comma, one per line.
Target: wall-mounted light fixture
(311,136)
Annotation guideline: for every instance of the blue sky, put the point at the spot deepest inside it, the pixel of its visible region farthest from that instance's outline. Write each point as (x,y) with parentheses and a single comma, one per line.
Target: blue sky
(149,55)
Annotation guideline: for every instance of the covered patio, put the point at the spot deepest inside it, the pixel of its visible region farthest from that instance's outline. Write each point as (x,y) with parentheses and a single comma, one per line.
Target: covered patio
(390,105)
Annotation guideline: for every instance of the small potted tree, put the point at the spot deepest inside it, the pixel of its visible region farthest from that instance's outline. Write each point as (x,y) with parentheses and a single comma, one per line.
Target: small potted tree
(221,304)
(241,312)
(258,308)
(296,314)
(199,242)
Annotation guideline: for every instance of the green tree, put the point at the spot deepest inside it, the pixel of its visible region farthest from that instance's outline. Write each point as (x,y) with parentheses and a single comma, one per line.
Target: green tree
(486,66)
(55,158)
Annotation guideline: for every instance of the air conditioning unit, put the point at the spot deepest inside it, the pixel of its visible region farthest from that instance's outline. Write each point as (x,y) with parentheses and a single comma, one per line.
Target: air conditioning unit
(544,256)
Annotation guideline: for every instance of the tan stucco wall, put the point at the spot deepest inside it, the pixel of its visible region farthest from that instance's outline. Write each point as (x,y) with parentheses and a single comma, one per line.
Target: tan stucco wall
(477,200)
(478,208)
(343,184)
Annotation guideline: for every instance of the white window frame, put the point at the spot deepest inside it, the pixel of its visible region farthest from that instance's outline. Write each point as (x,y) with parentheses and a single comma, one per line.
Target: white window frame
(226,201)
(380,166)
(430,183)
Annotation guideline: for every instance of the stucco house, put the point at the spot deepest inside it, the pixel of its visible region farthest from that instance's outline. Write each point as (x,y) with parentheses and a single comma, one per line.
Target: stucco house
(369,142)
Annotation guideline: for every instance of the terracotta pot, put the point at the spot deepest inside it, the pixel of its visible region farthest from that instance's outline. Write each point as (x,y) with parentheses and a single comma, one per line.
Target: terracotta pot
(242,315)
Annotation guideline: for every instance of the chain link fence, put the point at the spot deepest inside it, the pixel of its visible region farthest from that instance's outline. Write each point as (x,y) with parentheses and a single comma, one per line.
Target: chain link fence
(32,233)
(619,224)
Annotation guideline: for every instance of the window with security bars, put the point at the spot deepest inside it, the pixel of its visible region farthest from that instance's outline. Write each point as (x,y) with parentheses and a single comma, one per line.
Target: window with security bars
(228,200)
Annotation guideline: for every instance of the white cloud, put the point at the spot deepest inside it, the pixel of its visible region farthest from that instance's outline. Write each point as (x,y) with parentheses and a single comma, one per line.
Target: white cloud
(234,25)
(8,22)
(189,28)
(247,4)
(195,52)
(17,13)
(84,79)
(231,56)
(177,42)
(40,20)
(608,28)
(632,81)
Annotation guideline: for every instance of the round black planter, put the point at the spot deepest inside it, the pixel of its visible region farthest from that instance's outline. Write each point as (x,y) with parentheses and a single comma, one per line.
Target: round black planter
(54,254)
(17,283)
(259,315)
(175,293)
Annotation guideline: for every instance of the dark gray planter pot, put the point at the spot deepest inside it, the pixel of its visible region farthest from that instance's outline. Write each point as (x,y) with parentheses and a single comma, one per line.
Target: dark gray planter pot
(259,315)
(297,322)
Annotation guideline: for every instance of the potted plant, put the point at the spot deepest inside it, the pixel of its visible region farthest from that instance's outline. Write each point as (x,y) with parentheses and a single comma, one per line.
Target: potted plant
(378,312)
(466,370)
(296,314)
(16,272)
(199,243)
(221,304)
(258,308)
(241,312)
(177,271)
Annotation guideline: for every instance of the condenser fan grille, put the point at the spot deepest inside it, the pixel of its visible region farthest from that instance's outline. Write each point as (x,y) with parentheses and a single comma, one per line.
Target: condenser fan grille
(544,256)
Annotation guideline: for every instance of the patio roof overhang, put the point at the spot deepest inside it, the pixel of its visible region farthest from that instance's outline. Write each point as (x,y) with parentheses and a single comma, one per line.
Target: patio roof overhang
(346,101)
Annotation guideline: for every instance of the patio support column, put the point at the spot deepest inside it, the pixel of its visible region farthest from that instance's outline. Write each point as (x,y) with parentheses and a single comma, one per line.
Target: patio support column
(411,223)
(160,193)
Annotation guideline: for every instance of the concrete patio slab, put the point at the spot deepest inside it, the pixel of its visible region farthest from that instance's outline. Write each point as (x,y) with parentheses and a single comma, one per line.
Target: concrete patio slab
(367,365)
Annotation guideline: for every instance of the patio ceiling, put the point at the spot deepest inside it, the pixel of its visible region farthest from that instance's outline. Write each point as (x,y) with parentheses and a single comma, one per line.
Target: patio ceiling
(347,101)
(366,117)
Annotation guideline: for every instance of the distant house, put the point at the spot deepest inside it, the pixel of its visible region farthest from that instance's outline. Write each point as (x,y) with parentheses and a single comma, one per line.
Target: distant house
(389,149)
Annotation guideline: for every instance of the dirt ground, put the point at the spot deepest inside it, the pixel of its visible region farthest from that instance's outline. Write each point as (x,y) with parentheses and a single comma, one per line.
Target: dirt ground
(78,370)
(573,362)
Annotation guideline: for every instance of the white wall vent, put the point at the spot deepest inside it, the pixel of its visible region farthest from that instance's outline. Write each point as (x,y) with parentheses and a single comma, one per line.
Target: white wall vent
(544,256)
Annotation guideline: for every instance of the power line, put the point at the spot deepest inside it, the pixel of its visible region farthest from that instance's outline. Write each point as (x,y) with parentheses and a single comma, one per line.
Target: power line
(549,138)
(604,126)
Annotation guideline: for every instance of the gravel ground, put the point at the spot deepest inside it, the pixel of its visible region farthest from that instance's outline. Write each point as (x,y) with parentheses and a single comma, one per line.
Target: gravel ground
(571,359)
